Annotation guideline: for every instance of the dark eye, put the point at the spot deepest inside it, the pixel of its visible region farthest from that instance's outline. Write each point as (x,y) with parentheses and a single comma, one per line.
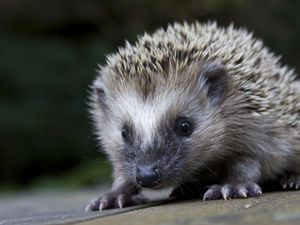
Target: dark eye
(183,127)
(125,133)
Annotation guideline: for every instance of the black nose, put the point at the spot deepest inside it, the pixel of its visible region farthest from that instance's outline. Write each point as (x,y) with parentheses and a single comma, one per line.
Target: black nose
(147,176)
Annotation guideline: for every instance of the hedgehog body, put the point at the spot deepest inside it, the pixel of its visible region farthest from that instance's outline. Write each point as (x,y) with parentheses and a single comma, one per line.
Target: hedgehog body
(197,105)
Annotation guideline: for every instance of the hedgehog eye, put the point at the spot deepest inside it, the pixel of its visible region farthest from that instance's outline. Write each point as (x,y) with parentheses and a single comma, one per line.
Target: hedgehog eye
(183,127)
(125,133)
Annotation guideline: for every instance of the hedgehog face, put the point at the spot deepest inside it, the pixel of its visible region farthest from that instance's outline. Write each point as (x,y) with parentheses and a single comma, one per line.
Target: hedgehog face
(159,136)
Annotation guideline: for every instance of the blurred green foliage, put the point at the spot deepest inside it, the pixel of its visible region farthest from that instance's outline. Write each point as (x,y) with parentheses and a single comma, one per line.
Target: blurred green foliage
(85,174)
(49,51)
(44,125)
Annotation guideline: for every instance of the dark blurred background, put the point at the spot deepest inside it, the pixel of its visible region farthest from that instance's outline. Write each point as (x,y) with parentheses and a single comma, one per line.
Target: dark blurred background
(49,51)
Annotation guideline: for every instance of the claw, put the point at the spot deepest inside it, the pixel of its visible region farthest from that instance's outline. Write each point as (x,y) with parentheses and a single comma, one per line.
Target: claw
(257,189)
(92,206)
(290,181)
(225,192)
(88,208)
(291,184)
(229,191)
(284,185)
(214,192)
(116,200)
(121,201)
(208,194)
(103,205)
(242,192)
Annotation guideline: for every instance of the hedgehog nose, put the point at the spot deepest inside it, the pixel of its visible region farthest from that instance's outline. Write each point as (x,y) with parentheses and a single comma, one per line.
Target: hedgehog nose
(147,176)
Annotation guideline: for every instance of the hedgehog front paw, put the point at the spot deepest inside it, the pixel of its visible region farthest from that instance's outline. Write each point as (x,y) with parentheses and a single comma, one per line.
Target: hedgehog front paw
(290,181)
(231,191)
(116,200)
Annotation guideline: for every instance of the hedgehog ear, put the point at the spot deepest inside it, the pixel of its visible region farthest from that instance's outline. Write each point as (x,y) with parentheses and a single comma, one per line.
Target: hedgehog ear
(215,80)
(100,96)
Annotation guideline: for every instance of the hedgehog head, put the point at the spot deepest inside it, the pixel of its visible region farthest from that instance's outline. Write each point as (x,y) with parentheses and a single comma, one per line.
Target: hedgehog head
(158,127)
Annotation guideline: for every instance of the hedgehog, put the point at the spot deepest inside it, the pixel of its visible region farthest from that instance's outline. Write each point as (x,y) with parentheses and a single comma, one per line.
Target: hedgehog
(207,111)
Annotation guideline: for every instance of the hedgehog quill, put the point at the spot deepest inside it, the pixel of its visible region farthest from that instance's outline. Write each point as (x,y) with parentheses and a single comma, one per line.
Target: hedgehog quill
(196,105)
